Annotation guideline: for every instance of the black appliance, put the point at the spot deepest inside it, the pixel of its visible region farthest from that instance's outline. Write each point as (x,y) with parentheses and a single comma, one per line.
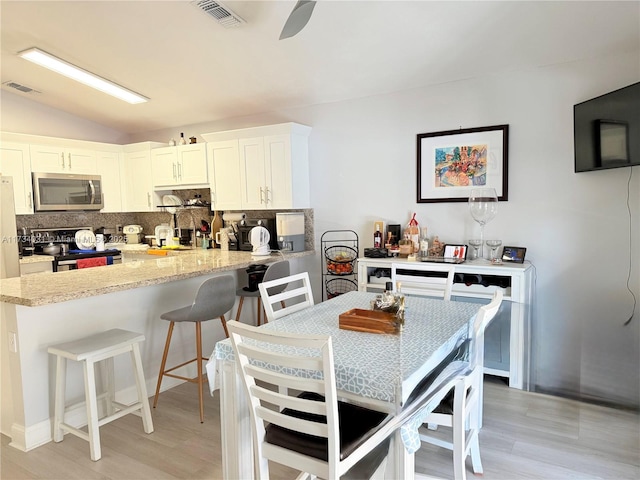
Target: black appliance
(41,237)
(255,274)
(606,130)
(244,233)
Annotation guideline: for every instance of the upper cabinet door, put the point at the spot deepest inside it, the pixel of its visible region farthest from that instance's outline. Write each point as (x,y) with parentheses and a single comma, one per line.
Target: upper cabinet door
(224,166)
(62,160)
(192,164)
(15,162)
(277,153)
(110,167)
(138,185)
(165,169)
(252,173)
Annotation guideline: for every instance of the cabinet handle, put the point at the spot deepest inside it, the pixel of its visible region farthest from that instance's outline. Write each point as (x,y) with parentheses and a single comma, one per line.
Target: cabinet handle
(175,177)
(148,199)
(266,195)
(261,195)
(29,200)
(69,161)
(179,171)
(62,158)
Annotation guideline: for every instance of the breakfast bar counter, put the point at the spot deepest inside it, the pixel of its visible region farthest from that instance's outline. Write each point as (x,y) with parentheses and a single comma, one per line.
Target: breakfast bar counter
(137,270)
(43,309)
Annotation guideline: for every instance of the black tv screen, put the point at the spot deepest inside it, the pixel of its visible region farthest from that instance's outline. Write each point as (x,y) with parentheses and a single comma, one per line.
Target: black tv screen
(606,130)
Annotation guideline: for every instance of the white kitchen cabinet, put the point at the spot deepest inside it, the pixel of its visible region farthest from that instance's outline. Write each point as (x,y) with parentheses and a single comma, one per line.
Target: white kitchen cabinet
(224,165)
(183,166)
(138,186)
(54,159)
(273,165)
(15,162)
(110,166)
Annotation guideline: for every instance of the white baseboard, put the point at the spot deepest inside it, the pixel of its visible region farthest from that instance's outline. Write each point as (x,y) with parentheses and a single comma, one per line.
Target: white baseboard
(27,438)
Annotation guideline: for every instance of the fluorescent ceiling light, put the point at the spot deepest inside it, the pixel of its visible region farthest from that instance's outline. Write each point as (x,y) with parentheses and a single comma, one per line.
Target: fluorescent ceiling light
(71,71)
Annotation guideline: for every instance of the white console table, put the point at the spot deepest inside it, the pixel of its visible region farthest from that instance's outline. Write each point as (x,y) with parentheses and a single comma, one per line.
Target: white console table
(507,340)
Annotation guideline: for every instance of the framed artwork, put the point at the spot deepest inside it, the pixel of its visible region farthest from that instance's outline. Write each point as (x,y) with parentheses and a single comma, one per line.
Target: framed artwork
(453,162)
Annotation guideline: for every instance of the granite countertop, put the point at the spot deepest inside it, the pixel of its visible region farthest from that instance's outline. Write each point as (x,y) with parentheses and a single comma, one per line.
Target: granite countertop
(139,270)
(36,259)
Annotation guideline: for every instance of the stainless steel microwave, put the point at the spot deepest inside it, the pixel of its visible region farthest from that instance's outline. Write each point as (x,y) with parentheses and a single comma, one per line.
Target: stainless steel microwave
(61,192)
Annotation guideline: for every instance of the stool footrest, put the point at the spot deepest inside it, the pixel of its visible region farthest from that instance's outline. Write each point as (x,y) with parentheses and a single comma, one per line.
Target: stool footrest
(120,413)
(76,431)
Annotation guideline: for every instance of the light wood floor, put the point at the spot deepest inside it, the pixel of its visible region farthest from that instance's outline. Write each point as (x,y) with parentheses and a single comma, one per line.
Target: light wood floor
(525,435)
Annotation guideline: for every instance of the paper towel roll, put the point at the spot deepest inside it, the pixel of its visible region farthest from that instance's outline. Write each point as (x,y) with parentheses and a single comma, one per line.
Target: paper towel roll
(234,217)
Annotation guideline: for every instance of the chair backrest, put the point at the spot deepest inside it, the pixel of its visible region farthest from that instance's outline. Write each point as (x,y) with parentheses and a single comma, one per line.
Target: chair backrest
(426,279)
(273,358)
(275,271)
(297,295)
(485,314)
(215,297)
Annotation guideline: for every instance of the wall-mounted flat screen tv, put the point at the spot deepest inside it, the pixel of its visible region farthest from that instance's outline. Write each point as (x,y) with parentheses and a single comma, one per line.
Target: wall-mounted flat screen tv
(607,130)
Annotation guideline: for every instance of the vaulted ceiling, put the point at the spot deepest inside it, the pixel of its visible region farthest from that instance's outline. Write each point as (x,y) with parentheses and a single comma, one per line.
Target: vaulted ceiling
(194,70)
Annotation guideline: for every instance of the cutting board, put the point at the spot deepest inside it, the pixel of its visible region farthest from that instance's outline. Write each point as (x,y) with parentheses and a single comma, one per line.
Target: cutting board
(371,321)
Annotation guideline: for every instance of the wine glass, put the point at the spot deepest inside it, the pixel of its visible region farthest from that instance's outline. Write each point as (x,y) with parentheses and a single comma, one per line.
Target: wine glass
(494,245)
(475,243)
(483,206)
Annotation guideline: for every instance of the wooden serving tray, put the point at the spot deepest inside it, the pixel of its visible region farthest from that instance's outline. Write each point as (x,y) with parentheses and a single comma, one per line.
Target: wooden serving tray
(371,321)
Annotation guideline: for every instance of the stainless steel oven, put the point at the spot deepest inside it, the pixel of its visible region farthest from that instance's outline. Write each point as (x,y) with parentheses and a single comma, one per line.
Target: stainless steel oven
(66,192)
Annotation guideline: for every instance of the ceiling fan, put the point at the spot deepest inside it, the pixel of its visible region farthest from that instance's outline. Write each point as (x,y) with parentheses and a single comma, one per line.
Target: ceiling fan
(298,18)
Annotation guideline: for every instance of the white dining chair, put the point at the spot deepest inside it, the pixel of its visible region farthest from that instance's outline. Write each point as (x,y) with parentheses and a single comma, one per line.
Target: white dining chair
(311,431)
(461,410)
(275,270)
(297,295)
(425,279)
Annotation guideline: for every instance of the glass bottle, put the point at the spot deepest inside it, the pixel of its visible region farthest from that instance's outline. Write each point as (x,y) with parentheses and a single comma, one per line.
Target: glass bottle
(377,238)
(424,242)
(182,140)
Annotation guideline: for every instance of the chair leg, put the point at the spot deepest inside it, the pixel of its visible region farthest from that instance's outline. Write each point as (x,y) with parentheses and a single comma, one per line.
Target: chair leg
(61,380)
(224,325)
(143,399)
(239,308)
(92,410)
(110,385)
(475,454)
(259,312)
(459,422)
(199,364)
(163,363)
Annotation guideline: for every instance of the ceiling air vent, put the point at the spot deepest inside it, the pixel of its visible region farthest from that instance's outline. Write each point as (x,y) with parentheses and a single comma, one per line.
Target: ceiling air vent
(22,88)
(217,10)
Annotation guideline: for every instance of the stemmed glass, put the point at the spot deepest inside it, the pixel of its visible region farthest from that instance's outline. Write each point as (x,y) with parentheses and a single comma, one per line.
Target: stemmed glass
(475,243)
(494,245)
(483,206)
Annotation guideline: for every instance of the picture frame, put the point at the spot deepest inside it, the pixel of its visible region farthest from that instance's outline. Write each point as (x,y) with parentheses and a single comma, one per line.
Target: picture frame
(513,254)
(455,251)
(451,163)
(612,142)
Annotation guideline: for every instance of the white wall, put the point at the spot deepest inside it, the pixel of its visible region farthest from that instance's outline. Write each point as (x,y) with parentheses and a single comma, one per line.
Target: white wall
(575,226)
(20,114)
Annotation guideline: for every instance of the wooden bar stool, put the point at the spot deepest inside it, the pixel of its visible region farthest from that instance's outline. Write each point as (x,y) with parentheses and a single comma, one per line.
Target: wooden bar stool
(89,351)
(215,297)
(274,271)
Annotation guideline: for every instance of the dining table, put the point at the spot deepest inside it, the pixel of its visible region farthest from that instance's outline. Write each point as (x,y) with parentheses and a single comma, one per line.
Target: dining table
(376,370)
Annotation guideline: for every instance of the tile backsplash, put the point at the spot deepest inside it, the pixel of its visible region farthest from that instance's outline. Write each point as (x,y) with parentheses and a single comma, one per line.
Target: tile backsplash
(149,220)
